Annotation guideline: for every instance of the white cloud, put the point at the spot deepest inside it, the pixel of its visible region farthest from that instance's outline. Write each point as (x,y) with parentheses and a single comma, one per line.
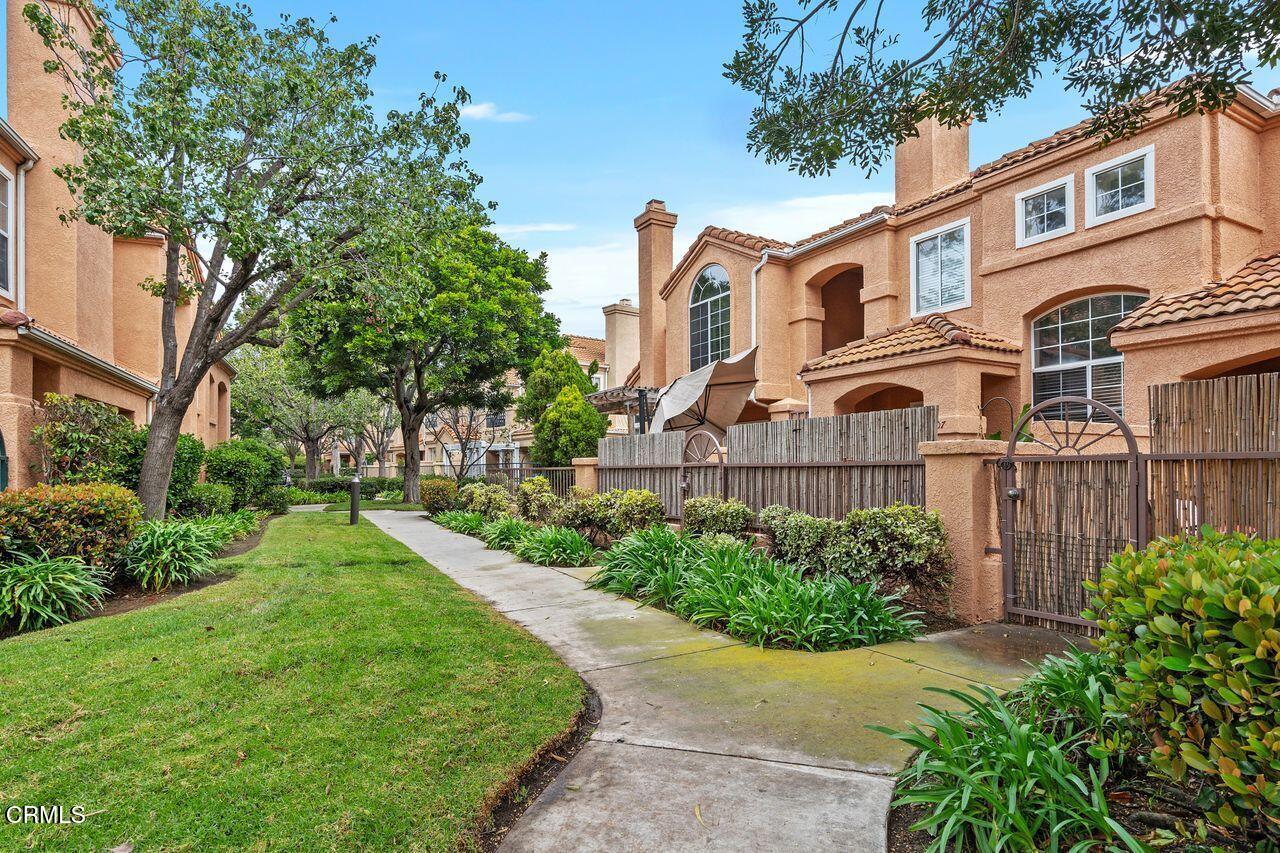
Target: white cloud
(533,228)
(488,111)
(586,278)
(794,218)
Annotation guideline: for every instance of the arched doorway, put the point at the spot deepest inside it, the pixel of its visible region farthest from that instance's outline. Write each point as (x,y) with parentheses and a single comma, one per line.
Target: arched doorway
(841,300)
(223,413)
(878,397)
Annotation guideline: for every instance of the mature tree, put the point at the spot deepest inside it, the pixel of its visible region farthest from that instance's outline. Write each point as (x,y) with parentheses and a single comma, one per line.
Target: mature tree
(360,409)
(867,92)
(269,382)
(379,432)
(432,320)
(253,152)
(550,372)
(473,429)
(570,427)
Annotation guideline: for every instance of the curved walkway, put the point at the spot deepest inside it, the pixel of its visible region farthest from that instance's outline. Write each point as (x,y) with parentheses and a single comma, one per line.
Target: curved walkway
(704,741)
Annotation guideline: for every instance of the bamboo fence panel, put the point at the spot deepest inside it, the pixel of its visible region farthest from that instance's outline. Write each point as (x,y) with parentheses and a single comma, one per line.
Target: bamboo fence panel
(649,461)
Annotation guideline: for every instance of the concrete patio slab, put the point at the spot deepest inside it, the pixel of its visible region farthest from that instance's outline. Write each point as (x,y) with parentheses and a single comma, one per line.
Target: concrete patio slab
(621,797)
(770,746)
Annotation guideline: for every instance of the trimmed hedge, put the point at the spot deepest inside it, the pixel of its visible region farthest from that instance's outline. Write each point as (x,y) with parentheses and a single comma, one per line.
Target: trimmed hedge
(208,499)
(491,501)
(438,495)
(713,514)
(614,513)
(247,465)
(90,521)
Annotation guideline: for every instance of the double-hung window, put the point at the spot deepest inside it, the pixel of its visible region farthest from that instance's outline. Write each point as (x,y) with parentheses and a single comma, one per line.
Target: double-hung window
(1120,187)
(940,269)
(1045,212)
(1072,356)
(7,244)
(709,317)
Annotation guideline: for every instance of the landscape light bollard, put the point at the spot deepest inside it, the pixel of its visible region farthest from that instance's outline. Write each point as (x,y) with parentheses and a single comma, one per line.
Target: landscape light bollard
(355,499)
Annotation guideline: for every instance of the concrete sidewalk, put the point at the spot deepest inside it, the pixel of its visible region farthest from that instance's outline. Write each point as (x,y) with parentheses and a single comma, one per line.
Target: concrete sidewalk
(706,742)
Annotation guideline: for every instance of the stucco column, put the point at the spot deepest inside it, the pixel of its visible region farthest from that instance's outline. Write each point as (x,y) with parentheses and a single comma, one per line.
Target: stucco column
(961,488)
(584,473)
(959,399)
(655,230)
(17,415)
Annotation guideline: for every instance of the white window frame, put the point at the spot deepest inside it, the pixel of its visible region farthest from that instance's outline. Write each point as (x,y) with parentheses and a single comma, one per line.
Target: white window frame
(1089,364)
(1148,155)
(968,272)
(7,287)
(728,293)
(1020,211)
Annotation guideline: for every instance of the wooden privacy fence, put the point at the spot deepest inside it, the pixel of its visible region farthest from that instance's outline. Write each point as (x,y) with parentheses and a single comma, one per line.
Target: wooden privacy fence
(1213,458)
(821,466)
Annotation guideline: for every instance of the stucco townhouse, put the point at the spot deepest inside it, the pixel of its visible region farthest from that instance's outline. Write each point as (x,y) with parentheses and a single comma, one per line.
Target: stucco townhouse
(73,317)
(1062,267)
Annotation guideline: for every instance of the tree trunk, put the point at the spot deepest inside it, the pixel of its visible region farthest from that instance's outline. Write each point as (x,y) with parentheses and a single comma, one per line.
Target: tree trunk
(412,461)
(311,452)
(382,464)
(157,460)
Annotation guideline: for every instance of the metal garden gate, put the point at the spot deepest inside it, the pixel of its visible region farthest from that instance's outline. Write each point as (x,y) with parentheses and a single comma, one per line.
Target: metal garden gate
(1065,511)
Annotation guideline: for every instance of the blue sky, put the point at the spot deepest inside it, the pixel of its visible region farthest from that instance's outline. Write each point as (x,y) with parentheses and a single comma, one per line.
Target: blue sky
(584,110)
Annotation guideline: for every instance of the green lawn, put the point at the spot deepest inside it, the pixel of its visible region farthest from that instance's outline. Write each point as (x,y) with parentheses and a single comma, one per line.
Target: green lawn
(344,506)
(337,693)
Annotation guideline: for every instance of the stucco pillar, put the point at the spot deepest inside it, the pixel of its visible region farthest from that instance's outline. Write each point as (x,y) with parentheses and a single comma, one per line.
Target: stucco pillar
(17,415)
(959,401)
(961,488)
(584,473)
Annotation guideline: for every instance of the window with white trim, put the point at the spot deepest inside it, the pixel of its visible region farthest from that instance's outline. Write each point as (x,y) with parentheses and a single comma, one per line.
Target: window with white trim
(1045,212)
(940,269)
(1072,356)
(1120,187)
(709,317)
(6,233)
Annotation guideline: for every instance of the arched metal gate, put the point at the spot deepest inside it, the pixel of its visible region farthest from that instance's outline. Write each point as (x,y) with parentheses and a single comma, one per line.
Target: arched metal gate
(702,469)
(1065,511)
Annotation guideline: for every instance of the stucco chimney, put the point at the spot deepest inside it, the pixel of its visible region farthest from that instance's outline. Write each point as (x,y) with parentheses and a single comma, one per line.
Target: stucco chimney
(934,160)
(655,229)
(621,340)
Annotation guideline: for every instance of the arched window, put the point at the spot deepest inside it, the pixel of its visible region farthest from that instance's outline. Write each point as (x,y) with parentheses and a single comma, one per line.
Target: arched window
(709,317)
(1072,355)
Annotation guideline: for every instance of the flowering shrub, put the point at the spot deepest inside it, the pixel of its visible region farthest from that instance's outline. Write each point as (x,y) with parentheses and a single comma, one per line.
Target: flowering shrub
(438,495)
(712,514)
(91,521)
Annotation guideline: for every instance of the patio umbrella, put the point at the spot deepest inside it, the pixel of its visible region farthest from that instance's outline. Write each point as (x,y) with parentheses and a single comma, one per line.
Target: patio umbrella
(710,398)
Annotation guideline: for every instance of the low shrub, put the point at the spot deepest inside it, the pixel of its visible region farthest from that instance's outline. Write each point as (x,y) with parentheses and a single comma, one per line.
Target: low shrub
(273,500)
(232,526)
(894,546)
(340,486)
(168,552)
(489,500)
(799,540)
(615,513)
(208,499)
(536,502)
(555,546)
(504,533)
(188,457)
(378,485)
(390,496)
(37,591)
(438,495)
(92,522)
(248,466)
(1191,625)
(713,514)
(459,521)
(708,541)
(299,497)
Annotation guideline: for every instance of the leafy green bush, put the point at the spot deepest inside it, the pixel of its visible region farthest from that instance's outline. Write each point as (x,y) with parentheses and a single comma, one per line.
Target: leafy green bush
(490,500)
(799,540)
(231,526)
(168,552)
(707,541)
(1192,624)
(91,521)
(713,514)
(536,502)
(77,440)
(555,546)
(247,465)
(274,500)
(339,486)
(993,777)
(37,591)
(569,428)
(614,513)
(894,546)
(208,499)
(188,457)
(504,533)
(741,591)
(460,521)
(438,495)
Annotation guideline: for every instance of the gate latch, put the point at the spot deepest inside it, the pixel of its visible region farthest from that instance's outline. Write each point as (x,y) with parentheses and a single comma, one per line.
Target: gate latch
(1013,494)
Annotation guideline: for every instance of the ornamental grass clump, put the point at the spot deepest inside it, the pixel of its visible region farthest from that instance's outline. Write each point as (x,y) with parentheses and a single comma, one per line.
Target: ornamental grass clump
(460,521)
(555,546)
(1191,626)
(504,533)
(164,553)
(40,591)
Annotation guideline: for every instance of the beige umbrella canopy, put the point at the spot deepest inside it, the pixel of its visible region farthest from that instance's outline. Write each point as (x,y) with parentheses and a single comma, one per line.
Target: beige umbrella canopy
(710,398)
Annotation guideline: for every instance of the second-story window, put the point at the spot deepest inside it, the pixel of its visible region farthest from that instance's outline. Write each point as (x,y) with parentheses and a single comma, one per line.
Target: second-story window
(1073,355)
(495,419)
(1120,187)
(709,317)
(6,233)
(1045,212)
(940,269)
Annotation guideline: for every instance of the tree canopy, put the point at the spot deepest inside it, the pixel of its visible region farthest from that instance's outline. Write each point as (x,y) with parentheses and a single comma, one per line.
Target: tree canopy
(569,428)
(836,83)
(550,372)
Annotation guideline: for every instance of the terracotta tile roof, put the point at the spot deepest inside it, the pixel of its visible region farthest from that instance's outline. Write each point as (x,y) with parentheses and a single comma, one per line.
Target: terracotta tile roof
(587,349)
(1254,287)
(861,217)
(754,242)
(633,377)
(922,334)
(1034,149)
